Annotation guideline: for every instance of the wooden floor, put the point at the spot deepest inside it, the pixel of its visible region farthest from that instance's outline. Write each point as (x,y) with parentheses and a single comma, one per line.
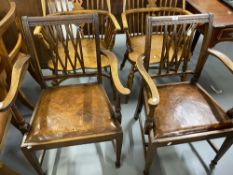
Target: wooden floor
(98,159)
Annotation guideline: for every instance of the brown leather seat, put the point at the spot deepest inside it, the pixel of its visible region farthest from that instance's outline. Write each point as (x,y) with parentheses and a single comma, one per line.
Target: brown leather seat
(89,54)
(179,114)
(88,114)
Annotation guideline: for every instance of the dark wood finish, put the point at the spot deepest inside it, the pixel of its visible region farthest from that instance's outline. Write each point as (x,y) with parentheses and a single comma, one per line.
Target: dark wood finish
(134,25)
(223,18)
(28,8)
(180,112)
(90,118)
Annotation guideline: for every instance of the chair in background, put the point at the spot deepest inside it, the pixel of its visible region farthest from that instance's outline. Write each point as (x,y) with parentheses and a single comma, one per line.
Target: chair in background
(134,24)
(6,24)
(107,29)
(10,80)
(180,112)
(67,115)
(10,57)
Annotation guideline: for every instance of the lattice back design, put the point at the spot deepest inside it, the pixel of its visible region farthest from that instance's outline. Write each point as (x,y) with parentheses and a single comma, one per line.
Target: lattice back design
(56,6)
(63,37)
(178,33)
(135,4)
(137,19)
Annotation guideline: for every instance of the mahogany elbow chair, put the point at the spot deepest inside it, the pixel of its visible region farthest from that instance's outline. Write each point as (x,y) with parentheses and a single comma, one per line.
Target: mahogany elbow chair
(180,112)
(134,25)
(67,115)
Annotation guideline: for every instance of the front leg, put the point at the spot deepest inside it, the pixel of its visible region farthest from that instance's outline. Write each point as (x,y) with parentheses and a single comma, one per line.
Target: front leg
(230,113)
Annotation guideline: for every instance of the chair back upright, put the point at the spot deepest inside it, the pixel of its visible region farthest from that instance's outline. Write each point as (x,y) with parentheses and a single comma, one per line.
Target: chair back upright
(64,32)
(178,34)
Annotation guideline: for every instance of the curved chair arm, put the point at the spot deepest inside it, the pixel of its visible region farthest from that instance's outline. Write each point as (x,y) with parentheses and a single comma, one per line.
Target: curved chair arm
(39,35)
(8,19)
(154,100)
(223,58)
(124,21)
(114,72)
(18,71)
(114,21)
(17,48)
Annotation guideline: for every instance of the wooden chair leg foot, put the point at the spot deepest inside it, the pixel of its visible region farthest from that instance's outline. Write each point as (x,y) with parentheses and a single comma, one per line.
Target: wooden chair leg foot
(213,164)
(145,172)
(149,158)
(223,149)
(118,150)
(117,164)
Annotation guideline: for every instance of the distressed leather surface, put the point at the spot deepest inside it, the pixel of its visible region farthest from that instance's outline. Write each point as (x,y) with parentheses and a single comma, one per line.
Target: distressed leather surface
(72,111)
(185,109)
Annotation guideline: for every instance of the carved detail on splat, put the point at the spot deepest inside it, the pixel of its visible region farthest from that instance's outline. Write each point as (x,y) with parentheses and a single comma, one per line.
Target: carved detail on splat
(151,3)
(77,4)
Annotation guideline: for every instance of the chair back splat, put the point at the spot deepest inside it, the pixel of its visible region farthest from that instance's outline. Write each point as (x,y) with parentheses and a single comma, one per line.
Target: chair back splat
(68,36)
(178,34)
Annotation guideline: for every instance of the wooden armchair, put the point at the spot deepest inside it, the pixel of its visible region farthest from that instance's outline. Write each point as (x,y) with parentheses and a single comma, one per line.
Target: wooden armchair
(10,81)
(14,52)
(180,112)
(10,57)
(134,24)
(68,115)
(107,29)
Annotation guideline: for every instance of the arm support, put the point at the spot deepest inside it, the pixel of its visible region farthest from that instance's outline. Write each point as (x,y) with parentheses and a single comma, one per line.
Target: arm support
(114,72)
(223,58)
(154,100)
(115,23)
(124,21)
(228,63)
(18,71)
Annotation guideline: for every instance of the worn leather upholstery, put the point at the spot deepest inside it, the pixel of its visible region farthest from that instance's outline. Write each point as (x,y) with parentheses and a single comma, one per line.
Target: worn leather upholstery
(186,109)
(72,111)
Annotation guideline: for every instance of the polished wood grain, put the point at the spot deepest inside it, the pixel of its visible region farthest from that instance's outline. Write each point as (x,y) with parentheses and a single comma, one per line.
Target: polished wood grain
(180,112)
(223,19)
(223,15)
(90,118)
